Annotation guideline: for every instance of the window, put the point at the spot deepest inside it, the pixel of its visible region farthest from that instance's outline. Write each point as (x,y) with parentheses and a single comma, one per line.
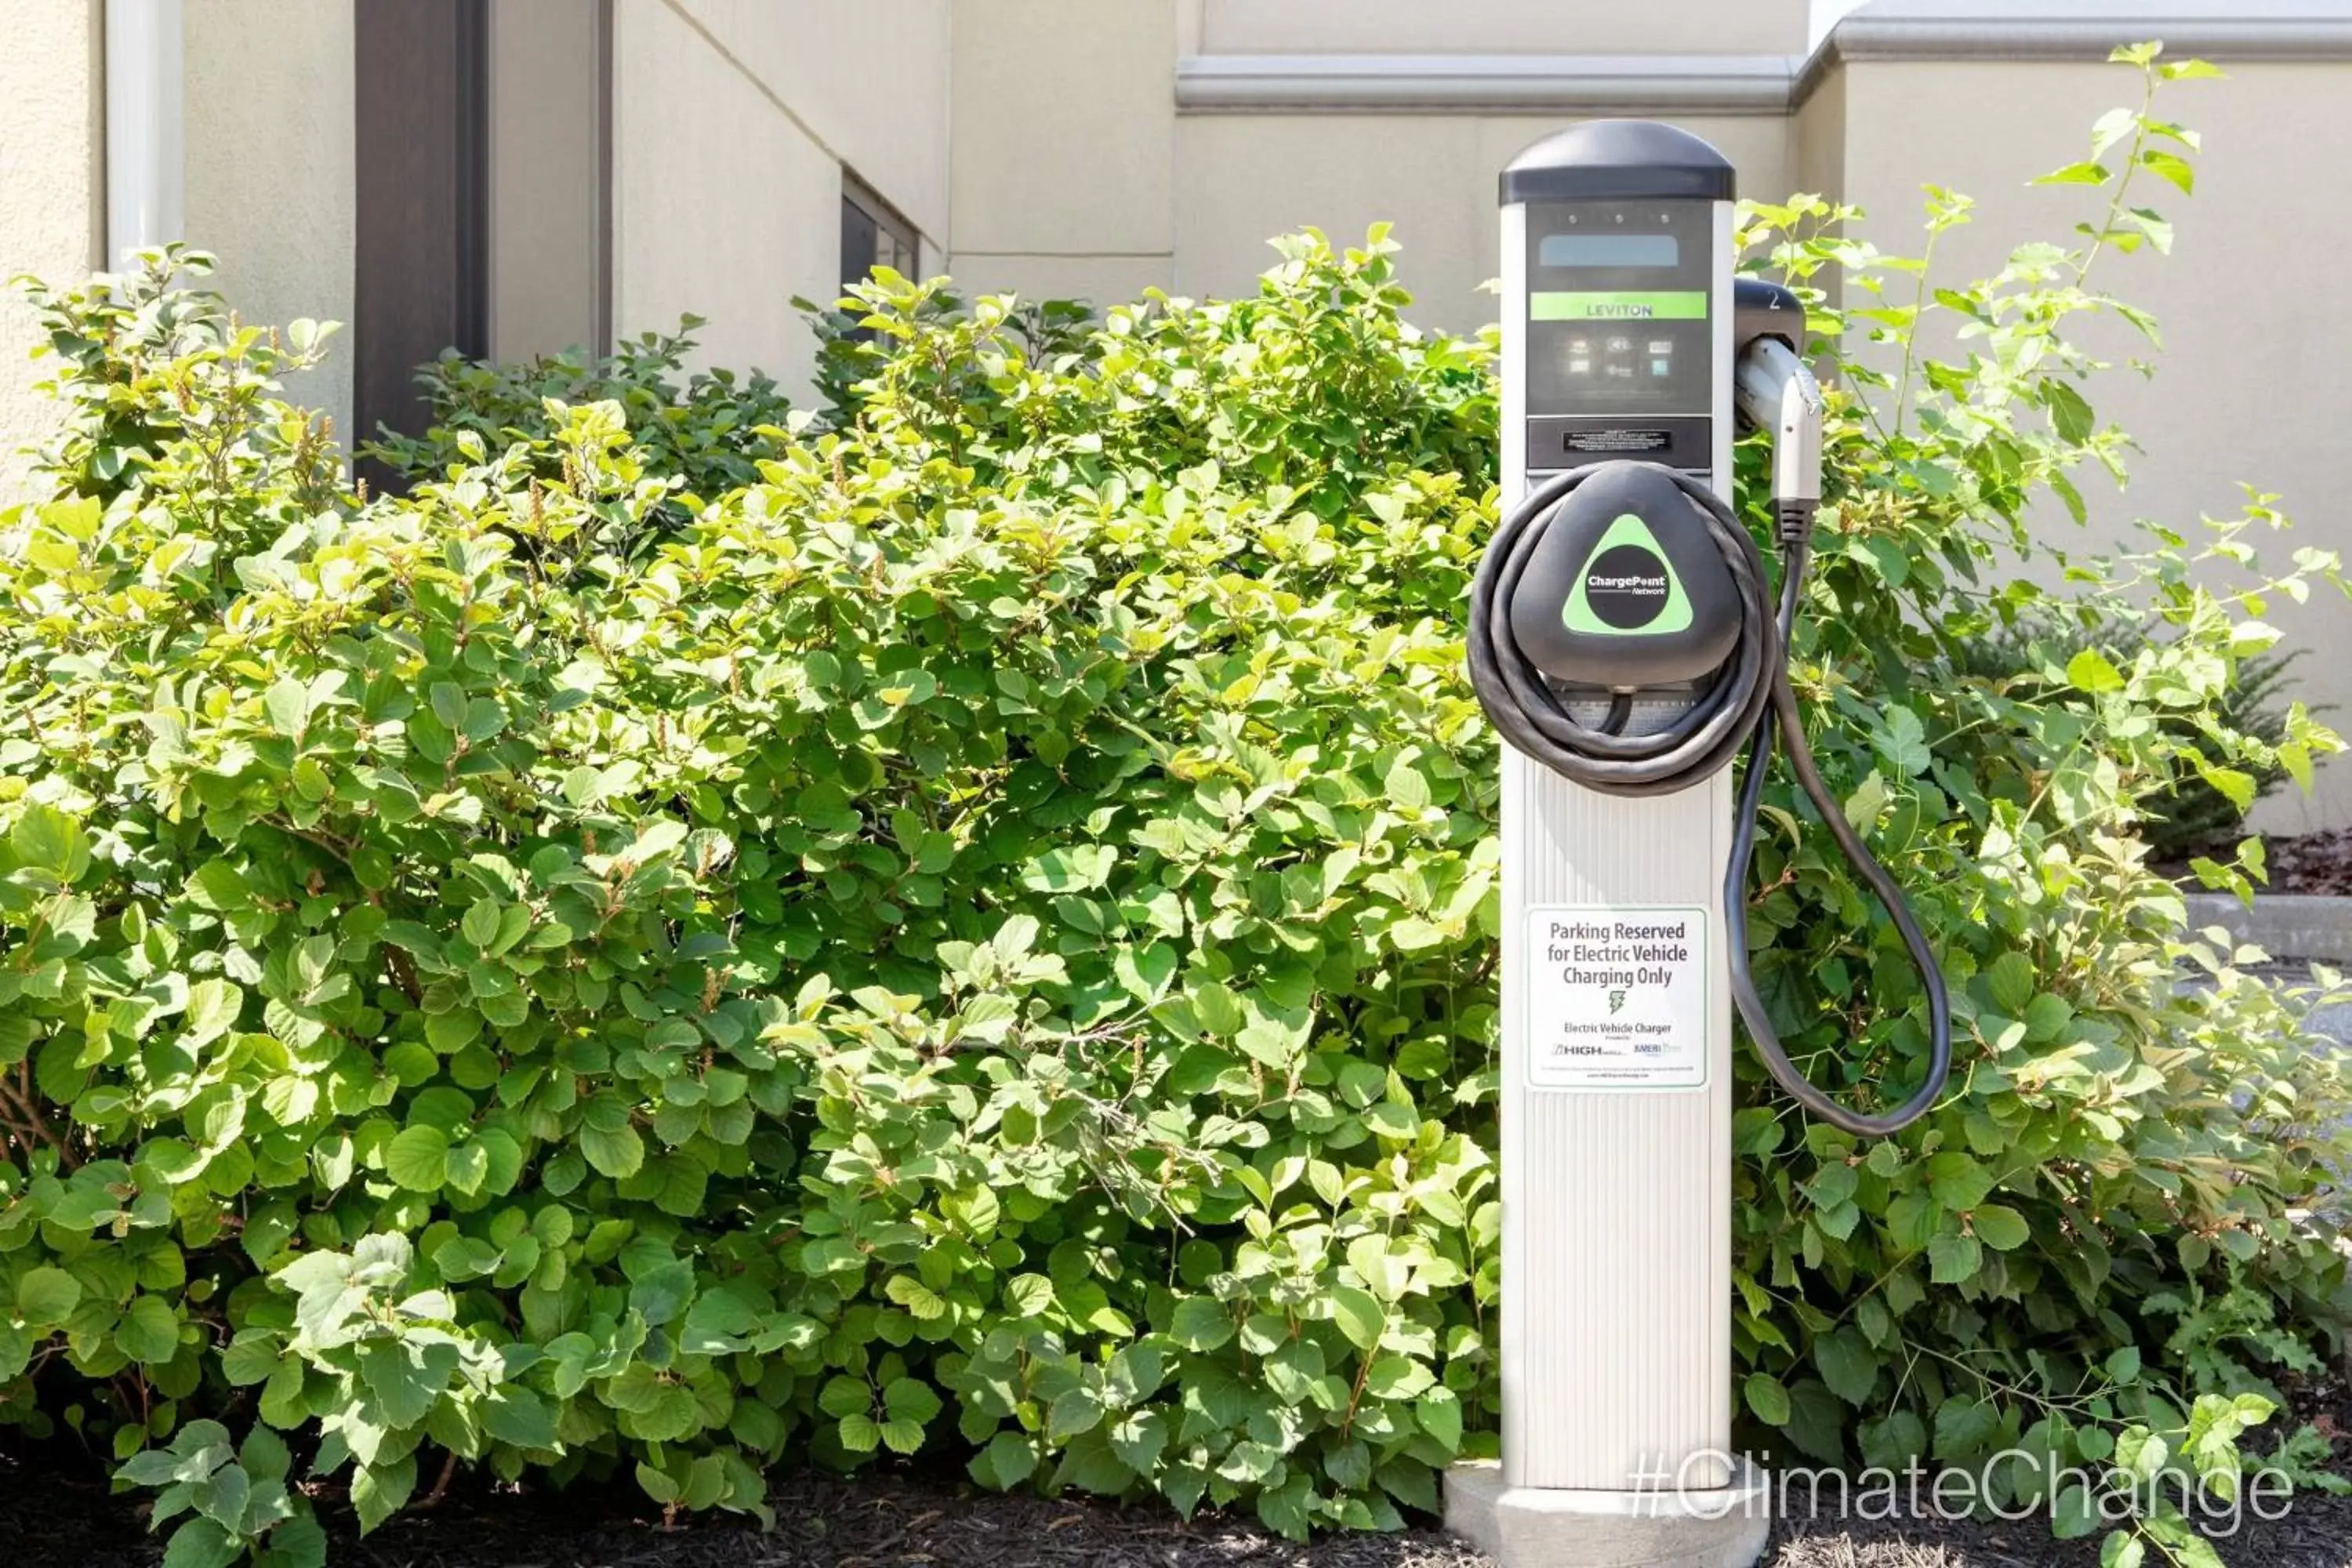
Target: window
(873,234)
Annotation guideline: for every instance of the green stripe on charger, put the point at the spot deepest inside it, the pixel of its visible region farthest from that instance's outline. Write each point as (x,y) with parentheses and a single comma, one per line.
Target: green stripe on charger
(1672,305)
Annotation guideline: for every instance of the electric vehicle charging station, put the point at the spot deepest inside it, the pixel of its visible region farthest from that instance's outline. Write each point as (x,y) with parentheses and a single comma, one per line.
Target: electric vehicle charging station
(1626,642)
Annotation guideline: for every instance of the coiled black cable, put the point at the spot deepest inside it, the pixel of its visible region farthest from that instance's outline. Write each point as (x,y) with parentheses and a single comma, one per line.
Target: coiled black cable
(1748,703)
(1529,714)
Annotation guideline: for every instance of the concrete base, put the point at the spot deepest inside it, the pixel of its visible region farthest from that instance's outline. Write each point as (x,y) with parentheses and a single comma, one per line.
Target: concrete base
(1532,1527)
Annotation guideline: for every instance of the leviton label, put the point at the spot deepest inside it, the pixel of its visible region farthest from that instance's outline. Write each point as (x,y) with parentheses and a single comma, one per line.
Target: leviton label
(1616,996)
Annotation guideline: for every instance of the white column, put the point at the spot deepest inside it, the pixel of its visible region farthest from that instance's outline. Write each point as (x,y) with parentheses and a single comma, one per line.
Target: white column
(144,176)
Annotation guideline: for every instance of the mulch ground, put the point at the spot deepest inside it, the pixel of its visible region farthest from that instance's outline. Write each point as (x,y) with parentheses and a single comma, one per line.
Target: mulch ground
(56,1513)
(52,1519)
(2313,863)
(2300,863)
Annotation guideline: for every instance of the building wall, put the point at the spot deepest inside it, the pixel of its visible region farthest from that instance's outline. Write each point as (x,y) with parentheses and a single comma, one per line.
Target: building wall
(721,213)
(1817,132)
(1503,26)
(868,81)
(547,234)
(52,196)
(1063,147)
(2250,387)
(1243,179)
(731,124)
(269,156)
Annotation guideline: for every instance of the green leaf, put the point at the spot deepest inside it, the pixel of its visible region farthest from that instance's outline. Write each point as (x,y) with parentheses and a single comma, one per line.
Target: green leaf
(1397,1377)
(45,1296)
(618,1151)
(1007,1461)
(1868,802)
(2001,1228)
(202,1543)
(2084,174)
(149,1331)
(1954,1259)
(380,1491)
(517,1415)
(1074,1411)
(214,1006)
(48,841)
(1359,1315)
(1406,787)
(1768,1398)
(2090,671)
(1958,1181)
(1903,741)
(418,1159)
(405,1393)
(2169,166)
(1138,1439)
(1200,1323)
(288,704)
(1072,869)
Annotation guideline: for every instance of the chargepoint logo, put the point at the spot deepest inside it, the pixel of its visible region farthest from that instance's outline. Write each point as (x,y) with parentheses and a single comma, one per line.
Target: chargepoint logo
(1626,587)
(2016,1484)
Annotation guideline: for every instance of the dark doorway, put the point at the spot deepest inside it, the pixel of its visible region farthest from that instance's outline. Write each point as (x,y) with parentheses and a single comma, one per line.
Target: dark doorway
(422,269)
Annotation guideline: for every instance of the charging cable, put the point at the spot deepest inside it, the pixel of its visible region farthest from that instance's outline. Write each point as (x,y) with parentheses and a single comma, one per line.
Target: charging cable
(1748,703)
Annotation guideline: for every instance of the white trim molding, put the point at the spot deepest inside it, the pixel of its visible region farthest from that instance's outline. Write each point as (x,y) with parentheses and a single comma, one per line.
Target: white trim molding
(2288,30)
(1456,84)
(2022,30)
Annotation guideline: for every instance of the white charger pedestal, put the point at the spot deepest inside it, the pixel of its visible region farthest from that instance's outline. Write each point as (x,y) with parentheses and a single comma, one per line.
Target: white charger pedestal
(1616,1091)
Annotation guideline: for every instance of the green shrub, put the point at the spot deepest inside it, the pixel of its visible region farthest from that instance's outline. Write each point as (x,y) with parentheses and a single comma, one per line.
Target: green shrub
(699,428)
(980,941)
(2192,817)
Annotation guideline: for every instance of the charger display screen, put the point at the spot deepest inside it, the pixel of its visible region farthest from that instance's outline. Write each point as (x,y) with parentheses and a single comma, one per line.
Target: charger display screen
(1618,308)
(1610,249)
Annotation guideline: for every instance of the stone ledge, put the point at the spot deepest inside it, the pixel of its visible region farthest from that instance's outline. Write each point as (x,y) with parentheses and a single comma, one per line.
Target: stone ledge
(2284,925)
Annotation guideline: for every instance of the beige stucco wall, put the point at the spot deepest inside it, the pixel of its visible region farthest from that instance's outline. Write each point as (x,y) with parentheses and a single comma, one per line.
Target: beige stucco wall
(731,122)
(546,177)
(52,199)
(2251,385)
(1098,188)
(270,168)
(1244,178)
(1817,138)
(870,81)
(1064,149)
(1503,26)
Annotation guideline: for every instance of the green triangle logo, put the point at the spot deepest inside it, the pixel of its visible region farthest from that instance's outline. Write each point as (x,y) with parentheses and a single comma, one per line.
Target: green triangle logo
(1627,588)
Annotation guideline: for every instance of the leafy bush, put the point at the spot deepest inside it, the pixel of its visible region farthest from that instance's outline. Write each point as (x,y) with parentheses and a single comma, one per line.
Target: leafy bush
(2193,816)
(979,941)
(701,429)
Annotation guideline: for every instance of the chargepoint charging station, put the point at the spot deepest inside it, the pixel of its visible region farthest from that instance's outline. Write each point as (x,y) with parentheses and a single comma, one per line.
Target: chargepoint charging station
(1627,642)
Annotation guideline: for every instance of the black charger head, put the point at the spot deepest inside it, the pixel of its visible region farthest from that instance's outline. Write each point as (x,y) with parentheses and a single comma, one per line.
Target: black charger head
(1626,588)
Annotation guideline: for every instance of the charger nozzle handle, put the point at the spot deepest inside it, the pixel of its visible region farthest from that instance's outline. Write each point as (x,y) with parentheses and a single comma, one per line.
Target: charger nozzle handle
(1777,393)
